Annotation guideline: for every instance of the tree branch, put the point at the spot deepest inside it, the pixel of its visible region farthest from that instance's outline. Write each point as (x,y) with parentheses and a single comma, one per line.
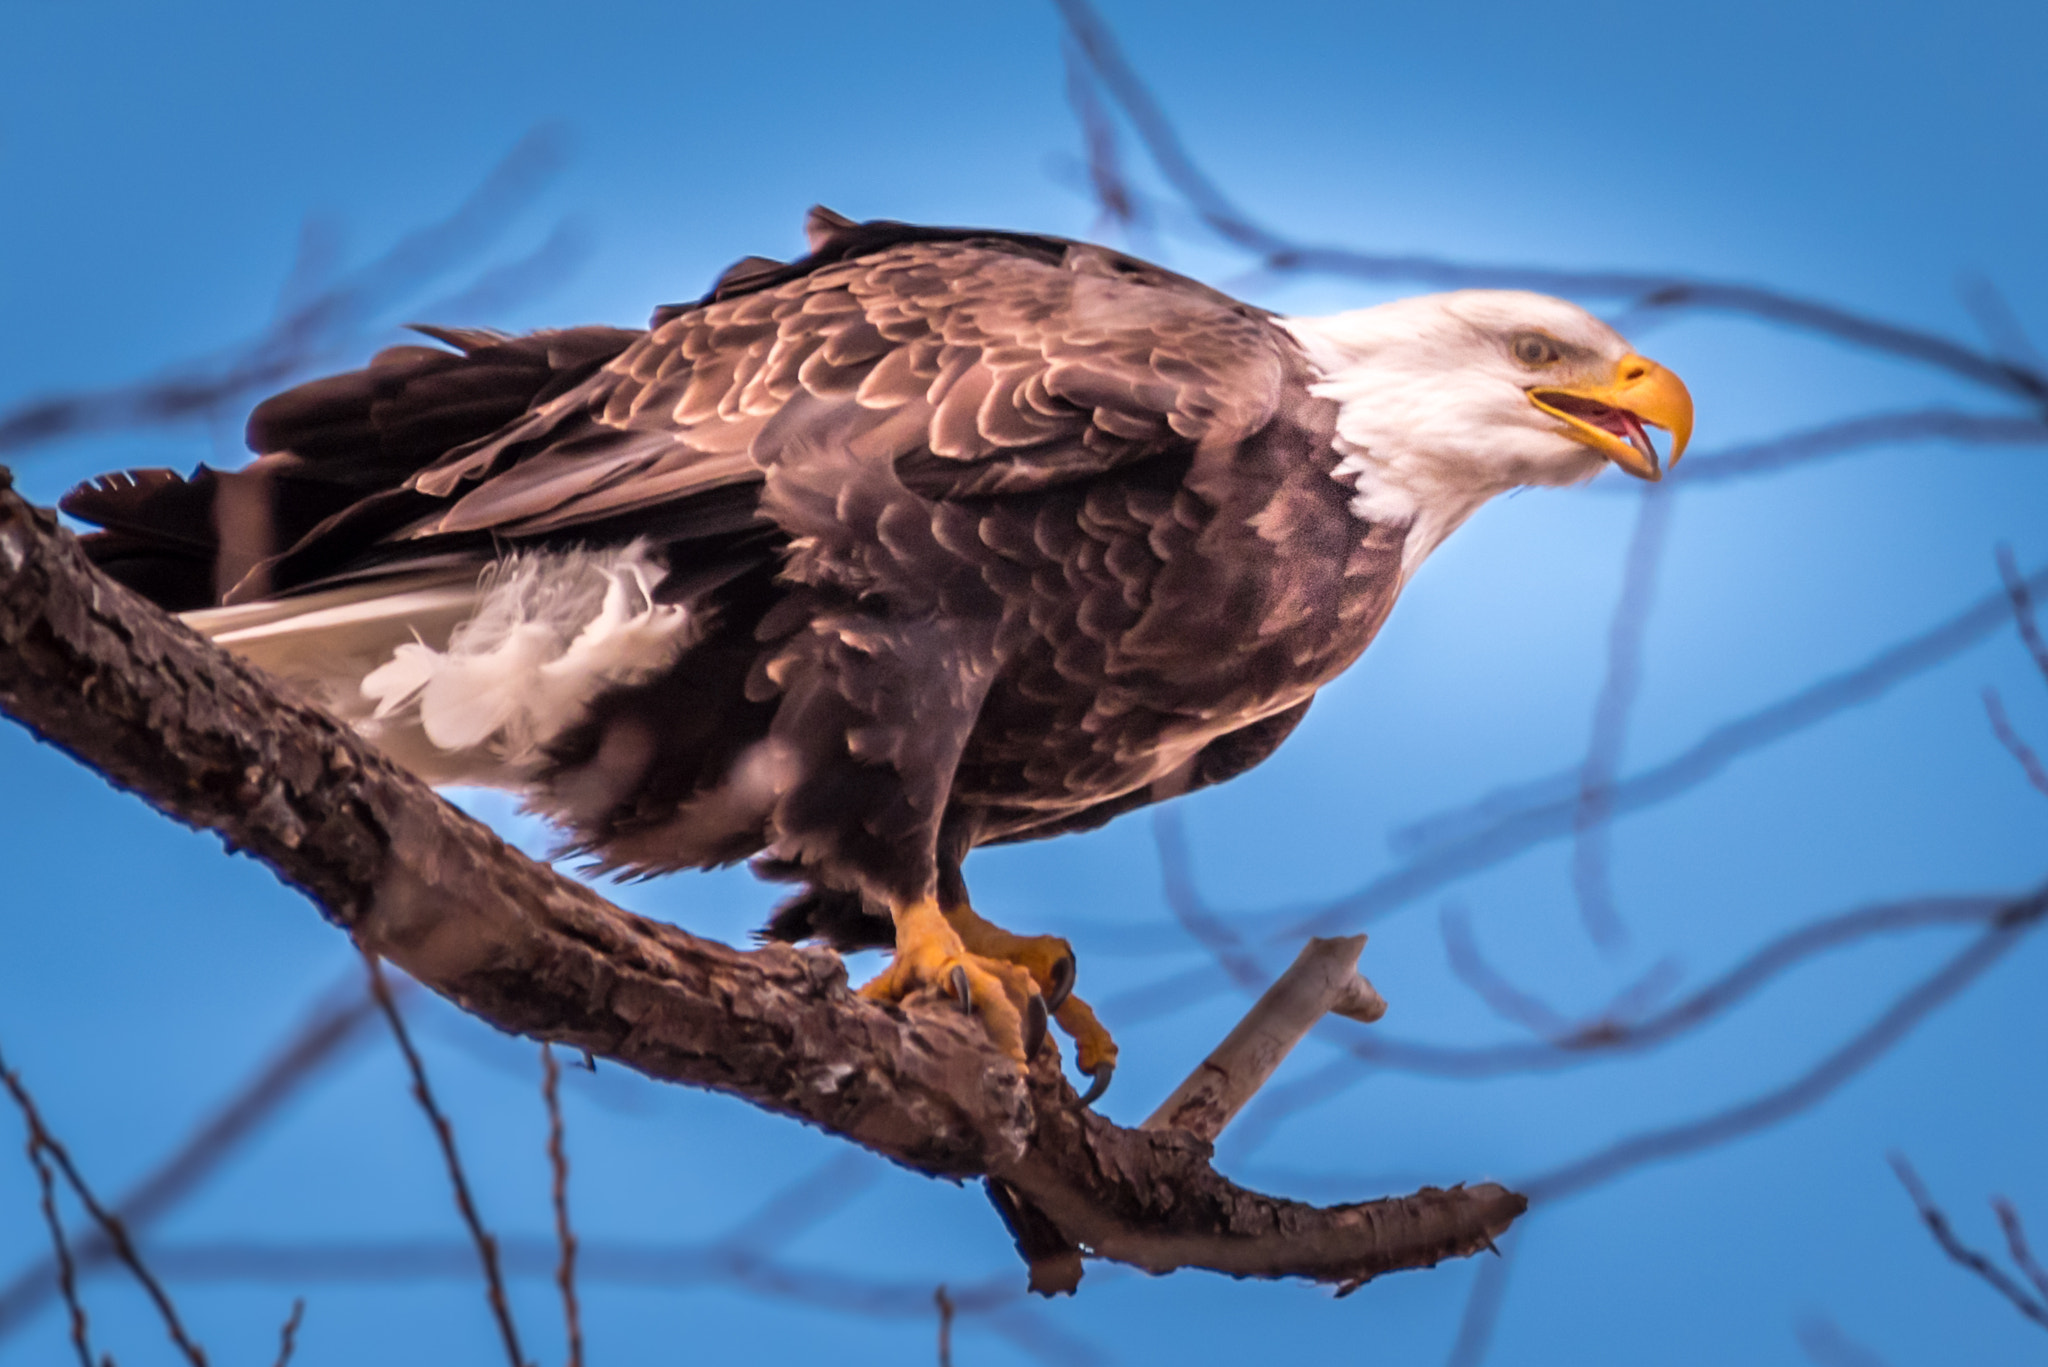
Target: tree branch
(216,743)
(1961,1253)
(1323,979)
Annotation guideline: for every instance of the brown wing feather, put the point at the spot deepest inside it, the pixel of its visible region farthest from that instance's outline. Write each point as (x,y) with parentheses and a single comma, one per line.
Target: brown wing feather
(976,371)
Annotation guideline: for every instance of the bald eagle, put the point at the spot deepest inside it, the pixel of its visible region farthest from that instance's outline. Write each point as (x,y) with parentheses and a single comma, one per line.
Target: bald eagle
(935,538)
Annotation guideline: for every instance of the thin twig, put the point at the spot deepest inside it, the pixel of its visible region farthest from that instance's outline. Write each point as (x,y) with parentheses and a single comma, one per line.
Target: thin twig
(1810,1087)
(1592,871)
(288,1337)
(1706,1003)
(40,1137)
(322,1040)
(1500,835)
(444,1133)
(1098,133)
(1846,435)
(2001,727)
(2020,591)
(799,1206)
(1804,1091)
(1825,1345)
(565,1235)
(2016,1244)
(1482,1310)
(998,1302)
(1502,997)
(311,329)
(1961,1253)
(67,1273)
(1810,705)
(945,1304)
(1184,900)
(1650,295)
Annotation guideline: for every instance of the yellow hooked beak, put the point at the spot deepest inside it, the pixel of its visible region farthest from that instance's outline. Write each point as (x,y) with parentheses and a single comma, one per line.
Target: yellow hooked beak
(1610,417)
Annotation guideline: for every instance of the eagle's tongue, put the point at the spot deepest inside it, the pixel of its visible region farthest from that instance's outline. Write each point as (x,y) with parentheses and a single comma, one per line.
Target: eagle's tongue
(1637,437)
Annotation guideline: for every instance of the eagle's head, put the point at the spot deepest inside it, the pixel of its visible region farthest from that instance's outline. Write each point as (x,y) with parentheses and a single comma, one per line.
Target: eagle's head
(1447,399)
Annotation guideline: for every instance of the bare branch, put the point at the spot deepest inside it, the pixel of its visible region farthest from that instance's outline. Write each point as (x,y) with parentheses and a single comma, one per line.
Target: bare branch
(565,1235)
(2016,1245)
(1112,191)
(1649,294)
(811,1199)
(1826,1345)
(328,320)
(1592,878)
(1323,979)
(1610,1033)
(60,1246)
(1811,1087)
(2017,918)
(288,1337)
(1482,1311)
(2020,591)
(1184,900)
(444,1135)
(2001,727)
(332,1028)
(1501,996)
(1993,314)
(1960,1253)
(1774,454)
(46,1143)
(998,1303)
(213,741)
(1496,829)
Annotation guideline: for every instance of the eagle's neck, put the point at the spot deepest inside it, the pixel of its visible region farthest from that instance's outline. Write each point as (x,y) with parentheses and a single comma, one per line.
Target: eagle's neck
(1403,487)
(1406,457)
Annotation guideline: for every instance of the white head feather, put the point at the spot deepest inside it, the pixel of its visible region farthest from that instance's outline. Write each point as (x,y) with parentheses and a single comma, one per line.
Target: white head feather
(1434,415)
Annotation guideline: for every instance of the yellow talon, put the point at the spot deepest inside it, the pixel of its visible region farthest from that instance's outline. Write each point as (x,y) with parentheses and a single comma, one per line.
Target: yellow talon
(1050,962)
(930,956)
(1047,958)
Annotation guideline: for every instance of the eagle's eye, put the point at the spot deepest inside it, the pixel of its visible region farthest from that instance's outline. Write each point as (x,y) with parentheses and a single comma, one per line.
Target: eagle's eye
(1533,349)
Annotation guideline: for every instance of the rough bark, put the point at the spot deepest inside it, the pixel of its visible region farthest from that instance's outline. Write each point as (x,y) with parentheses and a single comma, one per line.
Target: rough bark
(216,743)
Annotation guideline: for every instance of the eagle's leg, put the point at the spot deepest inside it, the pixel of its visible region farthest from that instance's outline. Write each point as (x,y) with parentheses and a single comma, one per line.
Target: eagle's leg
(931,954)
(1050,963)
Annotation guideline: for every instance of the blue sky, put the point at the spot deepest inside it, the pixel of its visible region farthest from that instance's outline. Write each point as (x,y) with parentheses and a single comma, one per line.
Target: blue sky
(158,164)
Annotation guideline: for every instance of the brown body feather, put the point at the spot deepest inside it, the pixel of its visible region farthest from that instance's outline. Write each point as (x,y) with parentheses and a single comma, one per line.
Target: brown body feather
(993,537)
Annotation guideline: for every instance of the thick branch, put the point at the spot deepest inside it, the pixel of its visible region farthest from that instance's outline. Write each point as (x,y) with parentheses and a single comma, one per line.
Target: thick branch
(216,743)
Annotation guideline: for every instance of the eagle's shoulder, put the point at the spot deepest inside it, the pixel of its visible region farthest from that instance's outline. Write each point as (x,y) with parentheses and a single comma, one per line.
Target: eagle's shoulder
(977,362)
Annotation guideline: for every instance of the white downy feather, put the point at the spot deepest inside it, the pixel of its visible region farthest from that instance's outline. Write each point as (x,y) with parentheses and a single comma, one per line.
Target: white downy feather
(550,632)
(466,679)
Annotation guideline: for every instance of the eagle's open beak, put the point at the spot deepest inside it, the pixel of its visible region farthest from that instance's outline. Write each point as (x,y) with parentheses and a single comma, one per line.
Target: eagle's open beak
(1610,417)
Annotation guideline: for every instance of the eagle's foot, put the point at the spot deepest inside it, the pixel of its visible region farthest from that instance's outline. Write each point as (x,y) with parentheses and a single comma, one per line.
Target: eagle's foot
(1047,958)
(1050,962)
(1094,1050)
(931,958)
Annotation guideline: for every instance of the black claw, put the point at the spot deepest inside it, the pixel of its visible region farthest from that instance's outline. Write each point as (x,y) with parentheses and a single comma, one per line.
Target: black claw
(1034,1025)
(960,990)
(1062,983)
(1100,1084)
